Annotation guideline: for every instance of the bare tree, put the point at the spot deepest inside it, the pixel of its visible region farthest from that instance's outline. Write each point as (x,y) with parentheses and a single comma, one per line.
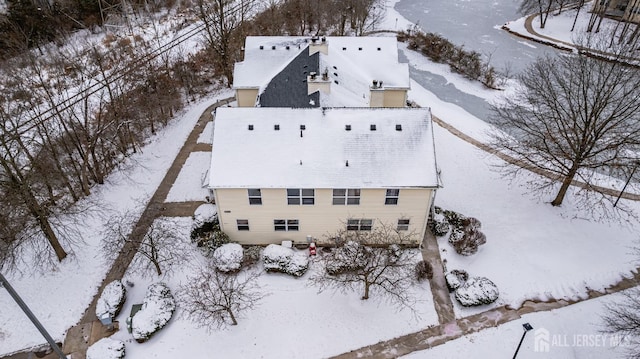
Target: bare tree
(623,319)
(571,117)
(160,250)
(541,7)
(373,261)
(223,20)
(213,299)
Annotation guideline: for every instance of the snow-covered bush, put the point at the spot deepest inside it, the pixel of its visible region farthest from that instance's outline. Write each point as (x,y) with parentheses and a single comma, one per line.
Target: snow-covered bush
(465,235)
(251,255)
(111,300)
(440,226)
(205,213)
(285,260)
(157,309)
(477,291)
(206,232)
(423,270)
(106,348)
(228,257)
(456,278)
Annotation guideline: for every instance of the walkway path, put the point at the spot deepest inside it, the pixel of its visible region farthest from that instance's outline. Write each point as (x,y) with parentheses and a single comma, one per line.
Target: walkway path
(439,290)
(155,208)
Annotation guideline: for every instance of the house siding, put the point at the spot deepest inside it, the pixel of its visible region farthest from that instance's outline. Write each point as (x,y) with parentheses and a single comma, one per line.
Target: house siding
(318,220)
(246,97)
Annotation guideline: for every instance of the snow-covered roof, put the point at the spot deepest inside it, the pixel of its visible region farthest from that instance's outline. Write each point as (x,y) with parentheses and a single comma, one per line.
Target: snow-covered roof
(260,65)
(248,151)
(352,64)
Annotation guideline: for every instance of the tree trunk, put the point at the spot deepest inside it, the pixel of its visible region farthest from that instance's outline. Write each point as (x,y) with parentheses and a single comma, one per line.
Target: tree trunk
(232,317)
(366,290)
(565,185)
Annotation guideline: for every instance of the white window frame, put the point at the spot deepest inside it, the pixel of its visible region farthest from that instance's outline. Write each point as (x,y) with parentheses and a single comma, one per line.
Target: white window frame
(403,224)
(286,225)
(242,224)
(359,224)
(253,197)
(348,196)
(301,196)
(391,197)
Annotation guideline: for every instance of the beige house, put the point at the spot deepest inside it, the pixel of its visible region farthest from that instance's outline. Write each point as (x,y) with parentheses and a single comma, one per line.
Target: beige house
(327,71)
(625,10)
(286,174)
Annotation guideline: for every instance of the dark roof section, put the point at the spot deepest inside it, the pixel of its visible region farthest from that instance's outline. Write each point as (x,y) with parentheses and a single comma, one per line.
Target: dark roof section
(289,87)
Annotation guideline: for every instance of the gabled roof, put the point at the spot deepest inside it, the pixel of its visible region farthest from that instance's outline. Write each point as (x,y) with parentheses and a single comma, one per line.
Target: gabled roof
(352,64)
(289,87)
(317,156)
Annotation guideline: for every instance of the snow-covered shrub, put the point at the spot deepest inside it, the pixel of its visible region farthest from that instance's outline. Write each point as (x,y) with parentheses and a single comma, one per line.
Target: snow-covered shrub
(423,270)
(251,255)
(456,278)
(285,260)
(111,300)
(439,226)
(106,348)
(157,309)
(206,233)
(465,236)
(205,213)
(228,257)
(477,291)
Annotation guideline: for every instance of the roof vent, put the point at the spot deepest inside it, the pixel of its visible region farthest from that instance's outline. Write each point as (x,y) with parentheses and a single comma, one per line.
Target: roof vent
(287,47)
(347,127)
(276,127)
(344,49)
(375,84)
(314,39)
(359,49)
(347,163)
(273,47)
(261,47)
(303,127)
(250,127)
(334,67)
(324,39)
(336,82)
(313,75)
(372,127)
(379,49)
(398,127)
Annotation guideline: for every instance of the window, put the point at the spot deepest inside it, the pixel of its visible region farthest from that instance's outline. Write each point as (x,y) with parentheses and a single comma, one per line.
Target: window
(346,196)
(285,224)
(297,196)
(403,224)
(243,224)
(255,197)
(359,224)
(392,196)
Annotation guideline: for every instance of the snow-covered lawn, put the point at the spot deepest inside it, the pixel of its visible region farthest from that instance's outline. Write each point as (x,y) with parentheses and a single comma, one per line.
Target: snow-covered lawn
(293,321)
(570,332)
(59,298)
(207,134)
(533,250)
(189,184)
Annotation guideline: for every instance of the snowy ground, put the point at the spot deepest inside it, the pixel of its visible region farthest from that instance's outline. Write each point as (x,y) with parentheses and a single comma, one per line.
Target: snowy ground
(293,321)
(558,26)
(533,250)
(192,180)
(60,298)
(570,332)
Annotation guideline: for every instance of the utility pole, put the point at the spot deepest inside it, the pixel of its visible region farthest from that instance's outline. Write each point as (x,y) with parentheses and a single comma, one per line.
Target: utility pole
(32,317)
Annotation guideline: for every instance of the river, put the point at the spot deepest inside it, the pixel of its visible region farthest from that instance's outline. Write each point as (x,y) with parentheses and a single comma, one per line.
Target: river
(476,25)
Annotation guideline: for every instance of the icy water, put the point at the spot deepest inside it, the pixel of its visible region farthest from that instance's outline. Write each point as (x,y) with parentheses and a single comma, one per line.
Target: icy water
(476,25)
